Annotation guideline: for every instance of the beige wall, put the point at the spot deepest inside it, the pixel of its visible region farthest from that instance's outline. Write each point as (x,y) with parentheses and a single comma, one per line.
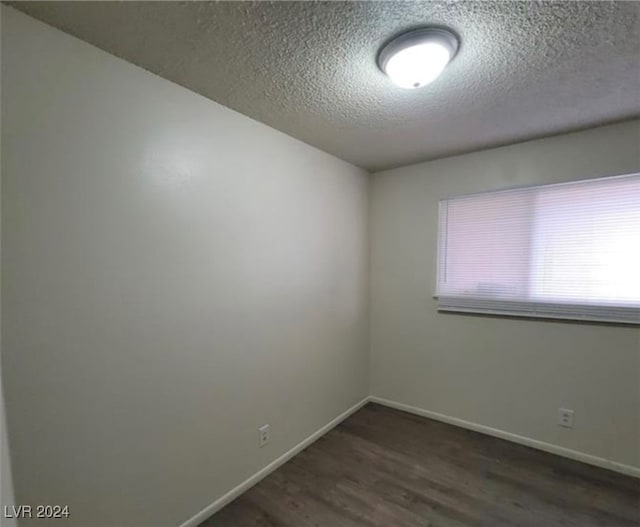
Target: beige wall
(175,275)
(507,374)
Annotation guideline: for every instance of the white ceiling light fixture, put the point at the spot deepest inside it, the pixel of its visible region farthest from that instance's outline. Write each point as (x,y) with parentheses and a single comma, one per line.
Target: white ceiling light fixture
(417,58)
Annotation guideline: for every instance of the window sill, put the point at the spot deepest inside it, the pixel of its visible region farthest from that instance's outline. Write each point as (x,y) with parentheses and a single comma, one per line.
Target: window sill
(539,310)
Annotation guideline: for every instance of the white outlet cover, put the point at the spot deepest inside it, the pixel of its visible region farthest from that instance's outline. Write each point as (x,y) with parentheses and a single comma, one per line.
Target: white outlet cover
(263,435)
(565,417)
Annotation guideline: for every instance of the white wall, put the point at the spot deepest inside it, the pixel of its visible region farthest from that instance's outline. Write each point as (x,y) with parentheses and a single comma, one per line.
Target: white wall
(6,485)
(508,374)
(175,275)
(6,480)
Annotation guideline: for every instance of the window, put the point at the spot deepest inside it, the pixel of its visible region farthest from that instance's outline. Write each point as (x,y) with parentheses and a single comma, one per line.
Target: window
(570,250)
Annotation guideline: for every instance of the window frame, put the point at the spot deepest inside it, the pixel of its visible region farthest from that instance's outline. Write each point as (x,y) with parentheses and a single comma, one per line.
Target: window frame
(609,313)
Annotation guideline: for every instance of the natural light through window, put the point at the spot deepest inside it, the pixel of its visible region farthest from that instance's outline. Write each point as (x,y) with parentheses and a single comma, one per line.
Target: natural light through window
(568,250)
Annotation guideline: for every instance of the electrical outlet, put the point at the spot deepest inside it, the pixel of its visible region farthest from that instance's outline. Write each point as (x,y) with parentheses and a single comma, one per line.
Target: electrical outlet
(263,435)
(565,417)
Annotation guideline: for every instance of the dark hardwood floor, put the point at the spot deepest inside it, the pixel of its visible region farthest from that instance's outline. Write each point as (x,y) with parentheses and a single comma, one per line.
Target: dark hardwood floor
(386,468)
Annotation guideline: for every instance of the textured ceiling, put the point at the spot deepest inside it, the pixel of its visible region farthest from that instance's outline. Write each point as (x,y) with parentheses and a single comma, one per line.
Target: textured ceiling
(524,69)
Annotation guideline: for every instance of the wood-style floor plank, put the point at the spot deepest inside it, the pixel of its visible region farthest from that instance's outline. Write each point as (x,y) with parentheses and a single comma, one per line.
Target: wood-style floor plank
(386,468)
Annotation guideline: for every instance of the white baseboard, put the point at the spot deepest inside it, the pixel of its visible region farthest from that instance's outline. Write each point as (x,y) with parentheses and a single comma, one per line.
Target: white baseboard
(214,507)
(628,470)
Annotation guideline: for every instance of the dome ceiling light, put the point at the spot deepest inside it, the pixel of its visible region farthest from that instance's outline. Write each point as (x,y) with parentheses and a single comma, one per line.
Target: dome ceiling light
(417,58)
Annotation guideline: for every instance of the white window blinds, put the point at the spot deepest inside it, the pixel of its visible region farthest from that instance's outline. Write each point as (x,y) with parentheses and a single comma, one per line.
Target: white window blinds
(570,250)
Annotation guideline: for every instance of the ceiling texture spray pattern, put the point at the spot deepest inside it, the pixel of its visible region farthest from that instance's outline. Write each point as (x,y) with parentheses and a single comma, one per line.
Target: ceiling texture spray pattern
(524,69)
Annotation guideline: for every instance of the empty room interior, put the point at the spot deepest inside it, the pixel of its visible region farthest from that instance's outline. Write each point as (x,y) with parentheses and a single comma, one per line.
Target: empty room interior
(320,264)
